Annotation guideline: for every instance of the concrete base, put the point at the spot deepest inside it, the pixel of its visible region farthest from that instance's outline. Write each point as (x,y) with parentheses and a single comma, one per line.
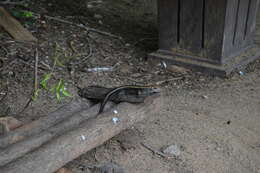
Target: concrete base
(235,63)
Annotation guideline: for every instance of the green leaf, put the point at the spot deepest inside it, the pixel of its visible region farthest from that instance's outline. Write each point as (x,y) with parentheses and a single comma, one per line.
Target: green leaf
(58,96)
(66,93)
(43,83)
(35,95)
(59,86)
(60,90)
(27,14)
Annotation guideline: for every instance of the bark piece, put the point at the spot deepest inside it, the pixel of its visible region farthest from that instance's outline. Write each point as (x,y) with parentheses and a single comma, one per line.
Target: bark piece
(14,28)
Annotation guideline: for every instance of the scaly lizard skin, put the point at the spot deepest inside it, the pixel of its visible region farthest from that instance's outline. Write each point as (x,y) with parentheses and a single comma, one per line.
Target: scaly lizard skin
(142,90)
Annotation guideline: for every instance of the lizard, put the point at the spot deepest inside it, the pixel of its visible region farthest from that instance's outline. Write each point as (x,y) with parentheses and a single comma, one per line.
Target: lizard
(141,91)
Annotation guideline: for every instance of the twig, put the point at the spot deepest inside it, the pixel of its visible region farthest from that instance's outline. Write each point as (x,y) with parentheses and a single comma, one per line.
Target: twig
(35,81)
(155,151)
(36,70)
(167,80)
(30,65)
(131,79)
(84,27)
(46,65)
(86,57)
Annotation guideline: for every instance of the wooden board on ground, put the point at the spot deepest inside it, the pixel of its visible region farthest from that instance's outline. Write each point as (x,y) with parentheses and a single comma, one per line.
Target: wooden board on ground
(54,154)
(14,28)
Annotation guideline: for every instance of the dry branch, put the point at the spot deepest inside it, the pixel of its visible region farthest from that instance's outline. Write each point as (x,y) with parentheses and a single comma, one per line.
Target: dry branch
(84,27)
(92,133)
(43,123)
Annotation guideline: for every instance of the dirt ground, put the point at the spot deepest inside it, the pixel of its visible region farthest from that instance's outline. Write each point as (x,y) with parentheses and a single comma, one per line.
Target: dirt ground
(214,122)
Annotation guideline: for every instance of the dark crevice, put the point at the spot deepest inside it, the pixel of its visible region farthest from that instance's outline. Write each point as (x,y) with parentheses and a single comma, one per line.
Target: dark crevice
(247,19)
(203,24)
(179,21)
(236,22)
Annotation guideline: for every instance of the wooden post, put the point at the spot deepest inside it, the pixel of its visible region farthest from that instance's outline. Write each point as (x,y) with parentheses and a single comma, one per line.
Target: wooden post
(215,36)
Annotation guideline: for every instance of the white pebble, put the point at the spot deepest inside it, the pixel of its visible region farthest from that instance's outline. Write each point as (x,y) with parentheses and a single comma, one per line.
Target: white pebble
(83,137)
(115,120)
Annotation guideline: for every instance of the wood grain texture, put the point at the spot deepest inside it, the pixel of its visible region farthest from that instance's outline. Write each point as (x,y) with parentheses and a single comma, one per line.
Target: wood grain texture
(215,13)
(230,27)
(43,123)
(251,23)
(241,22)
(191,25)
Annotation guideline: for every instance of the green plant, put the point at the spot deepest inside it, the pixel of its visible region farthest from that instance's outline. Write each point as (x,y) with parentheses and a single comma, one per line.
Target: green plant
(59,88)
(35,94)
(43,82)
(28,17)
(22,14)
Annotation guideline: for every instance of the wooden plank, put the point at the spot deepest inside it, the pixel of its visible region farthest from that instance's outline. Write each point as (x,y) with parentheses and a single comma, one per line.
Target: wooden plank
(241,22)
(90,134)
(14,28)
(215,13)
(168,26)
(191,25)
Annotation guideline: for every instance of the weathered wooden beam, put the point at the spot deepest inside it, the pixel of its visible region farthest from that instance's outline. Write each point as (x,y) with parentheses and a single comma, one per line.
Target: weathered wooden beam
(90,134)
(43,123)
(21,148)
(212,36)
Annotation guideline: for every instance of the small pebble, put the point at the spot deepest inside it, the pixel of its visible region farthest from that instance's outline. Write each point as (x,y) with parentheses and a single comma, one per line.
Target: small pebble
(83,137)
(98,16)
(90,6)
(100,22)
(172,150)
(115,120)
(164,65)
(205,97)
